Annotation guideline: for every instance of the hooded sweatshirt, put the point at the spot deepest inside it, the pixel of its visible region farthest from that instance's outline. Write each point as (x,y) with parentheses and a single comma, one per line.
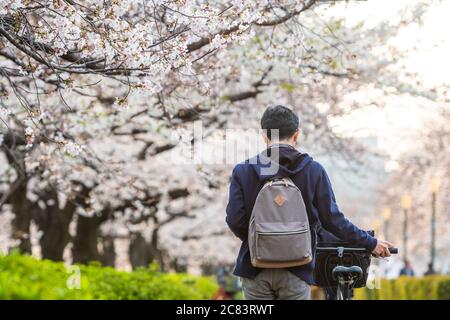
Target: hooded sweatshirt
(310,177)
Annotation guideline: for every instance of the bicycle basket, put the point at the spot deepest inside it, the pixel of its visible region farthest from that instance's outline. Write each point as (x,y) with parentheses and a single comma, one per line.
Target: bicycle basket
(326,261)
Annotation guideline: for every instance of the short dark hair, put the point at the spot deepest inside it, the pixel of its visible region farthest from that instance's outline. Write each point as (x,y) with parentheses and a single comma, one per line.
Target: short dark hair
(281,118)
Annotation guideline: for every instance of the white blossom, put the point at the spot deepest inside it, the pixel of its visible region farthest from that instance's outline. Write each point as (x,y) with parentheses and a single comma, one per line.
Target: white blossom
(4,113)
(73,149)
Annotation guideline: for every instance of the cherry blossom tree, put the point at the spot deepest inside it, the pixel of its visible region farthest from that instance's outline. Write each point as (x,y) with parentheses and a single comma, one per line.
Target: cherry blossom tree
(92,94)
(428,163)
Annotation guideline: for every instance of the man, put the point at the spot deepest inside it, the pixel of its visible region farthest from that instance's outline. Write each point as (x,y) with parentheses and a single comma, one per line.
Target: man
(310,177)
(407,269)
(430,271)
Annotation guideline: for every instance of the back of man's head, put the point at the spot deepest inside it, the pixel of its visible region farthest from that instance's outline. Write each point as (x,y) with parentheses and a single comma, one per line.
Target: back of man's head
(282,119)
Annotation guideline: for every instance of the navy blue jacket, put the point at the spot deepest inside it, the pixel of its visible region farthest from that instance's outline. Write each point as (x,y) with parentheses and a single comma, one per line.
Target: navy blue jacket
(310,177)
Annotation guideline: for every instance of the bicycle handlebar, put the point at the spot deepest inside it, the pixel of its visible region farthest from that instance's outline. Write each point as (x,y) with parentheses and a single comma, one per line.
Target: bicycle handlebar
(352,250)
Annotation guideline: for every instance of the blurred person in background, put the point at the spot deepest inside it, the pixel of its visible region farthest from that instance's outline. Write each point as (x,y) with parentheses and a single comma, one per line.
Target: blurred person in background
(407,270)
(430,270)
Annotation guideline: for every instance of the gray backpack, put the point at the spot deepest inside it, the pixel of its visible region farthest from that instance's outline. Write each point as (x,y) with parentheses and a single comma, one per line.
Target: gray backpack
(279,234)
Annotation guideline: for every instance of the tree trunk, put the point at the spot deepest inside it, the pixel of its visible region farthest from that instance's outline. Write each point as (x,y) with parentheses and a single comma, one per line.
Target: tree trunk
(108,252)
(157,253)
(54,223)
(143,252)
(22,215)
(140,255)
(12,146)
(179,265)
(85,242)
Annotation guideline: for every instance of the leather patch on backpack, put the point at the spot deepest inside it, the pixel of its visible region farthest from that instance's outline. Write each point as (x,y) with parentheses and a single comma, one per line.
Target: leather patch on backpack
(279,200)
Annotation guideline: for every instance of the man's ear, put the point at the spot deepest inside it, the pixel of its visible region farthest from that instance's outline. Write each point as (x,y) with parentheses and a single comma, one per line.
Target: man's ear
(296,135)
(266,139)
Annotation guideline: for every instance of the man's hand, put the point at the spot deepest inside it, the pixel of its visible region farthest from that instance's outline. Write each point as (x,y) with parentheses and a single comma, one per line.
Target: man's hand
(382,249)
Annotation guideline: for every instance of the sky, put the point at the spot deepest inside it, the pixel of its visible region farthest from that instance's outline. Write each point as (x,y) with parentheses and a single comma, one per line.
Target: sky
(431,39)
(428,46)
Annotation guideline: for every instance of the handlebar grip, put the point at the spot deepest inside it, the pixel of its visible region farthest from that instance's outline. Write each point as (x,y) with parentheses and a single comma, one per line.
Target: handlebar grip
(393,250)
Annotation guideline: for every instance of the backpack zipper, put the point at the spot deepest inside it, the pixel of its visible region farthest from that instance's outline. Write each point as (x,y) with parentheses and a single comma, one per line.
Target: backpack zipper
(282,232)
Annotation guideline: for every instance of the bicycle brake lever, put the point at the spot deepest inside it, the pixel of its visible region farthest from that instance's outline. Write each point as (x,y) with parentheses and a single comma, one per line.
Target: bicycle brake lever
(340,252)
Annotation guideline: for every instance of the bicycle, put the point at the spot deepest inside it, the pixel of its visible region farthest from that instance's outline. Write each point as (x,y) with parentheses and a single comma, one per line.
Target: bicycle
(343,268)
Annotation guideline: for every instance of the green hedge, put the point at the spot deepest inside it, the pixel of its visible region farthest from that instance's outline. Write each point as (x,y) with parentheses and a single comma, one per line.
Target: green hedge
(24,277)
(409,288)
